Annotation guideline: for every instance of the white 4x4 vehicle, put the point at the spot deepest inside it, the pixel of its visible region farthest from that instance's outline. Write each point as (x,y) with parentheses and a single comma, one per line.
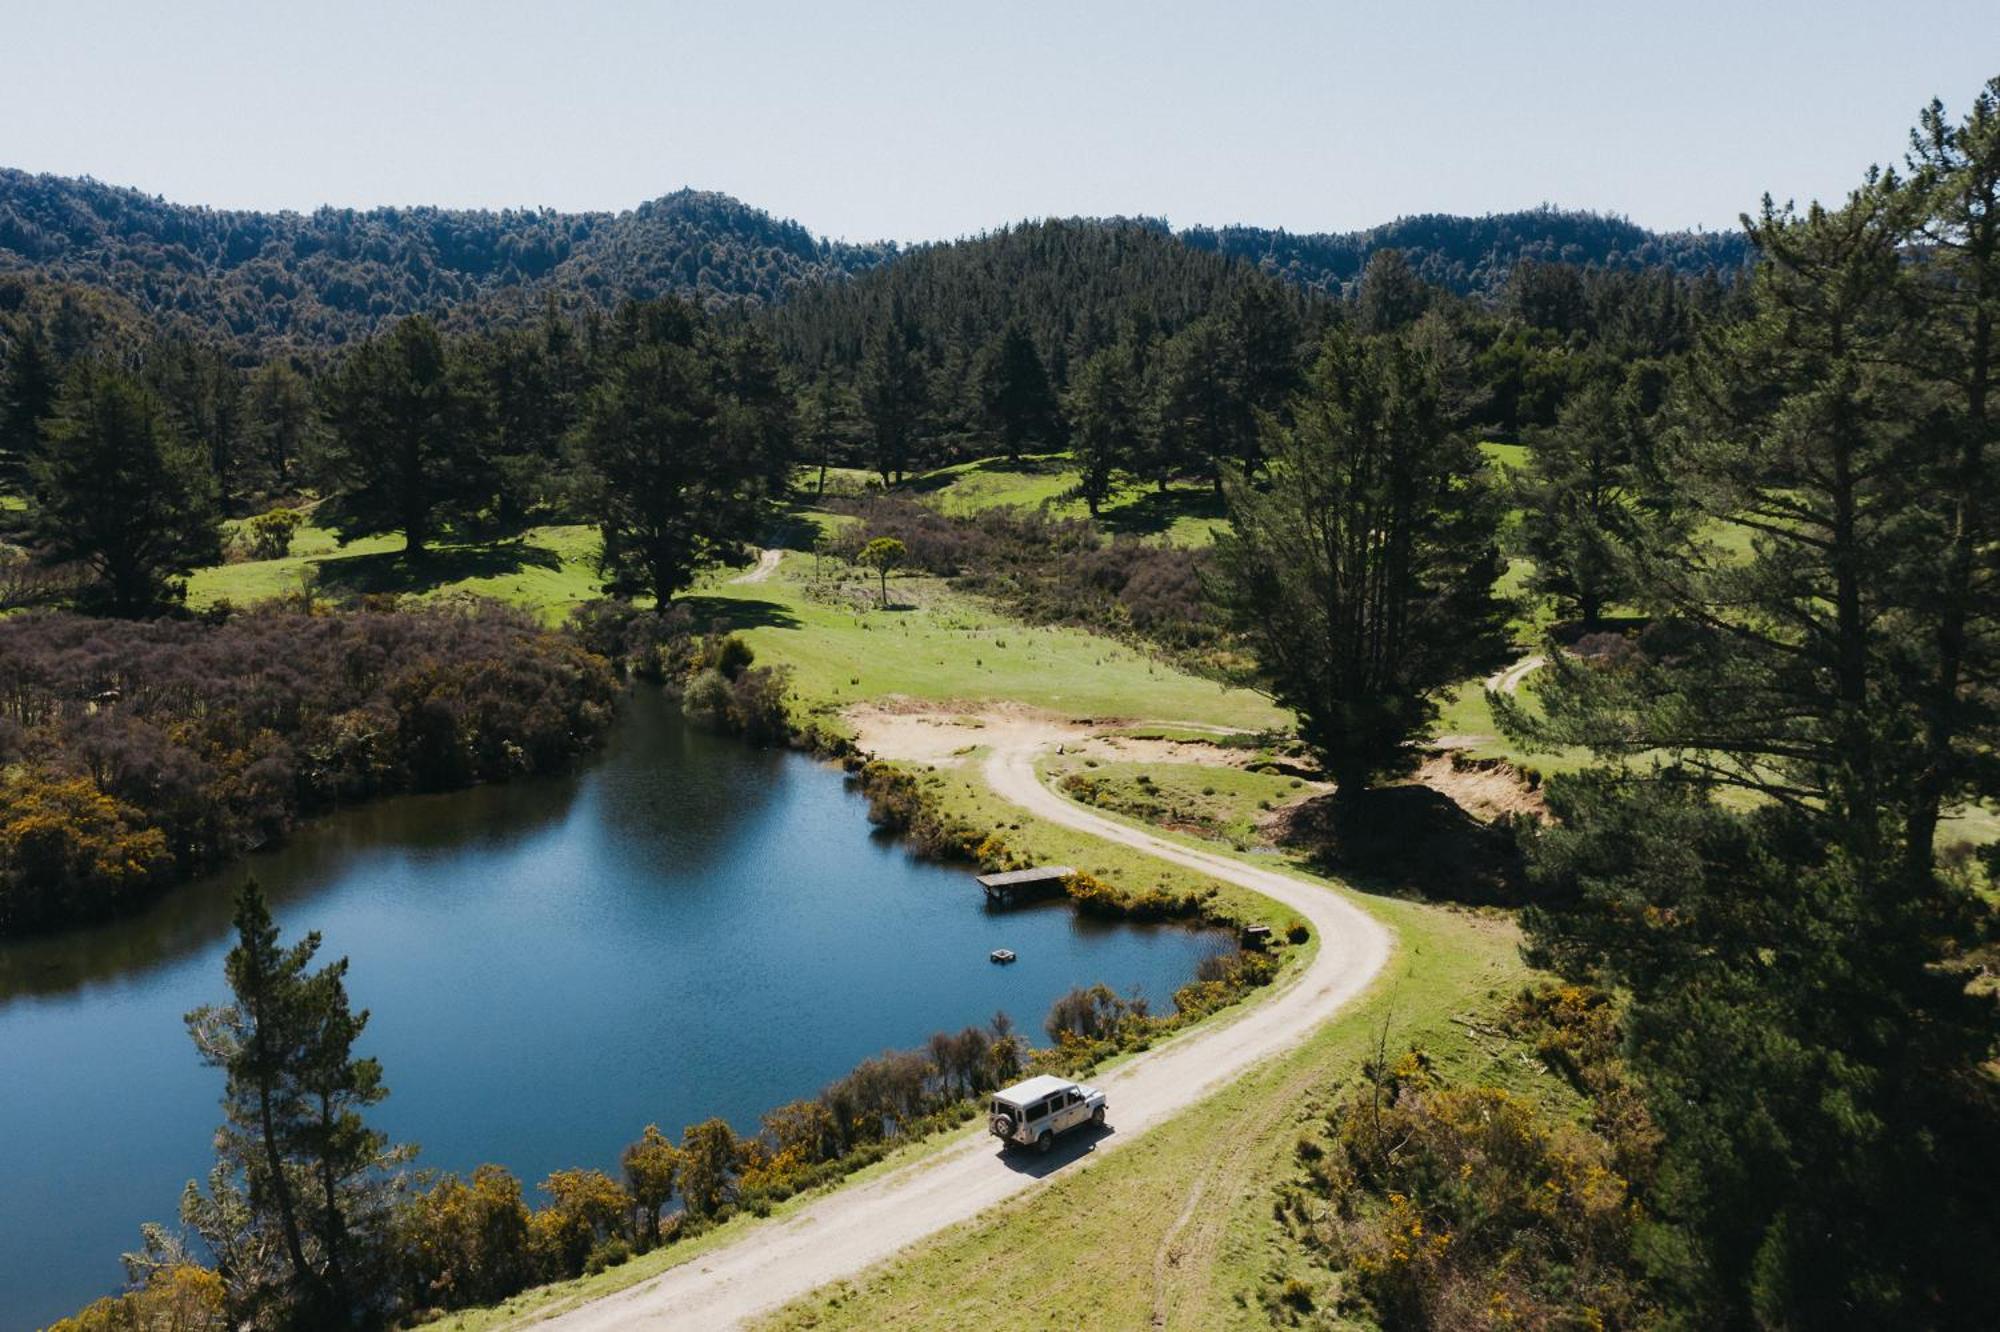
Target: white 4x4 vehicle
(1032,1113)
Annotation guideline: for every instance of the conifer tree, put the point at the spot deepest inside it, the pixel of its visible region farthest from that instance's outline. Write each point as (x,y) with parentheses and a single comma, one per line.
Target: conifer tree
(282,426)
(408,427)
(1798,1014)
(28,391)
(1362,574)
(893,397)
(674,477)
(1105,427)
(1016,394)
(119,492)
(1578,495)
(296,1161)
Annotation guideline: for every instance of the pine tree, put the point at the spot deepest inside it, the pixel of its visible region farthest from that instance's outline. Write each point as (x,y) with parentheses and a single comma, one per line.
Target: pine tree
(28,391)
(118,491)
(1104,415)
(1391,296)
(1579,496)
(408,446)
(203,394)
(1362,574)
(1798,1015)
(1018,400)
(670,481)
(282,428)
(296,1161)
(1954,208)
(893,396)
(1205,421)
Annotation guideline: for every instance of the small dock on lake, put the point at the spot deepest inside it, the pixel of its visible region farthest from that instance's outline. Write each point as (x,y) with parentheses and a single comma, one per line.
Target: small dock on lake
(1018,885)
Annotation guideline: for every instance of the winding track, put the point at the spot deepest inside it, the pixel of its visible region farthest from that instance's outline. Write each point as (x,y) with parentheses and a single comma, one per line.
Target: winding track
(855,1227)
(766,565)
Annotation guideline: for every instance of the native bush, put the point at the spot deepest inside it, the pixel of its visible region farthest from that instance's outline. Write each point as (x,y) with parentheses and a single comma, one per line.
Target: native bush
(1468,1206)
(1048,570)
(144,752)
(463,1242)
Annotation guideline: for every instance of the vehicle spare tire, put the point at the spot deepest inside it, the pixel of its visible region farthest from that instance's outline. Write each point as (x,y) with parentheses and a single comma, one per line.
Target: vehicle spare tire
(1003,1126)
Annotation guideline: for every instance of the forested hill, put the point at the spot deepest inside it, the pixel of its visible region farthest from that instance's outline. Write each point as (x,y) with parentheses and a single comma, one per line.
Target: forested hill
(1074,285)
(321,279)
(336,274)
(1475,255)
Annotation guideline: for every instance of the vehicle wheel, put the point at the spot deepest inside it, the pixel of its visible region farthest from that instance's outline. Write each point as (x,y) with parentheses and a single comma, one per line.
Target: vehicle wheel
(1043,1143)
(1097,1117)
(1003,1127)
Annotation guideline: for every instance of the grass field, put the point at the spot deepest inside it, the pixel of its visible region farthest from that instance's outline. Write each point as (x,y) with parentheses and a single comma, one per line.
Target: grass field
(942,646)
(1182,515)
(548,570)
(1223,803)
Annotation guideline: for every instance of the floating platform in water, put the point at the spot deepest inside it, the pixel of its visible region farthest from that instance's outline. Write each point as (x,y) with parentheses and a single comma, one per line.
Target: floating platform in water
(1016,884)
(1001,955)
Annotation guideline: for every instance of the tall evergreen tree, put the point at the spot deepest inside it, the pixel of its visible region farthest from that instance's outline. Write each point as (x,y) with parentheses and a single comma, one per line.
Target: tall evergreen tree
(826,423)
(118,491)
(1204,419)
(1391,296)
(1798,1017)
(407,452)
(893,396)
(296,1161)
(203,394)
(1954,215)
(1019,401)
(282,426)
(670,480)
(1579,496)
(1362,574)
(28,391)
(1104,411)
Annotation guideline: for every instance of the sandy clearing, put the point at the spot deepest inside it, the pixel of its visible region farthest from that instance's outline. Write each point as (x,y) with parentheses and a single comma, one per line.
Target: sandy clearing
(766,565)
(920,731)
(856,1227)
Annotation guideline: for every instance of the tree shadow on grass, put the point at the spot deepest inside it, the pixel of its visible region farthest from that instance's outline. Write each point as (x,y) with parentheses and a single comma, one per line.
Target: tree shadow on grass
(396,571)
(728,614)
(1158,510)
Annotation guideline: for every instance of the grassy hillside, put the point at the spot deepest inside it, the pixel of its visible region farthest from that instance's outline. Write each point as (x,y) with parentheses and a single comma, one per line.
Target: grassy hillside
(549,570)
(941,646)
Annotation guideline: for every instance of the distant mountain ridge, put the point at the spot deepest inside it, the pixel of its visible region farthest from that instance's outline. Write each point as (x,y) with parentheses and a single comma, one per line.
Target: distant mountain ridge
(319,279)
(1475,255)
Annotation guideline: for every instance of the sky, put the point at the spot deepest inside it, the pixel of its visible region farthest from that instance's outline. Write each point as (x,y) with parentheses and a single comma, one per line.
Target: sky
(929,121)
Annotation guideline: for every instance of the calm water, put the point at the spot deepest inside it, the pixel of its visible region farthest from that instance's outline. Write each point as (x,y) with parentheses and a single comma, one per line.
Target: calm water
(687,927)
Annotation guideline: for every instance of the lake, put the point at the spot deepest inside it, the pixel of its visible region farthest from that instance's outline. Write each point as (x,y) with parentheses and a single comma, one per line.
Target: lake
(684,927)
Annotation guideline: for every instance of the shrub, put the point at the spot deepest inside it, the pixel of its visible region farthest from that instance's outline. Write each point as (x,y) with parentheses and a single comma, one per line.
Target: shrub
(163,747)
(1463,1206)
(586,1208)
(271,533)
(464,1242)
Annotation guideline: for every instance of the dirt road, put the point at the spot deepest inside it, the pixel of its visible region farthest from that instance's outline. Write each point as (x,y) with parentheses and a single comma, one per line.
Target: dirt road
(857,1227)
(766,565)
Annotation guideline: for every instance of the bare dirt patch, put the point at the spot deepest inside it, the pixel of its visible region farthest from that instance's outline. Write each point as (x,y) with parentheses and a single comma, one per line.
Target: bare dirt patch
(1486,789)
(922,731)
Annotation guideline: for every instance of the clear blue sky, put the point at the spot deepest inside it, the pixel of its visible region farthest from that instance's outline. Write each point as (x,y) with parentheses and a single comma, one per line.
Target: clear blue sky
(914,121)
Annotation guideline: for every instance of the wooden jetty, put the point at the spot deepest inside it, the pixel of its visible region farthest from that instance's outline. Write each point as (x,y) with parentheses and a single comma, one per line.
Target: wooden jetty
(1014,885)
